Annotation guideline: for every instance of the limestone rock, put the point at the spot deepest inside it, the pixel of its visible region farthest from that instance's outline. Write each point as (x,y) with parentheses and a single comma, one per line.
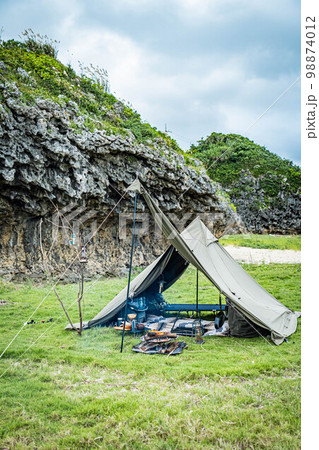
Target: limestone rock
(72,178)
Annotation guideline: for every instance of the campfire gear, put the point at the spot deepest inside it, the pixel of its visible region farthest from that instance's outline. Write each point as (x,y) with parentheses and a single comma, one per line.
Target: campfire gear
(159,335)
(128,327)
(171,347)
(183,328)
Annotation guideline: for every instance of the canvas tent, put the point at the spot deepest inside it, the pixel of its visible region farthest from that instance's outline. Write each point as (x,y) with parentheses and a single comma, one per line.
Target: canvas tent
(198,246)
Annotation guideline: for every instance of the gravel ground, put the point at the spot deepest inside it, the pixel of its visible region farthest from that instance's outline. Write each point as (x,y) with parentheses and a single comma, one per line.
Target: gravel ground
(263,255)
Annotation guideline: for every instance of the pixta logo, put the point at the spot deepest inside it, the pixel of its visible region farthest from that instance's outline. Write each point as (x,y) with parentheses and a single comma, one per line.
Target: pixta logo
(145,225)
(73,221)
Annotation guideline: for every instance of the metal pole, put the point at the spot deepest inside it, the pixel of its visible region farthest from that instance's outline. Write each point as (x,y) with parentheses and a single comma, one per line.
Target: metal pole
(130,272)
(197,294)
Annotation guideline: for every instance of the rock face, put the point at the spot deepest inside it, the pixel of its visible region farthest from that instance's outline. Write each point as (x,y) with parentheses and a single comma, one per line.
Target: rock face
(55,171)
(281,215)
(264,187)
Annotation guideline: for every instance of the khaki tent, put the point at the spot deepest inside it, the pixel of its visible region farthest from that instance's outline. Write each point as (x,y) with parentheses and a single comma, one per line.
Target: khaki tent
(198,246)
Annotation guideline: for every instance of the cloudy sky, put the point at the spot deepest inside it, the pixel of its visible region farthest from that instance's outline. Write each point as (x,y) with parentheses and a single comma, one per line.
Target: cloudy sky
(196,65)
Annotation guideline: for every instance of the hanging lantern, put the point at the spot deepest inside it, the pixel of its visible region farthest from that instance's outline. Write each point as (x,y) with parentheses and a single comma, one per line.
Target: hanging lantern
(83,258)
(198,330)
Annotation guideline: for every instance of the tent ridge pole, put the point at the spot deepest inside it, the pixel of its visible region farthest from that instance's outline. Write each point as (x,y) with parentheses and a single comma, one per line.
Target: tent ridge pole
(130,272)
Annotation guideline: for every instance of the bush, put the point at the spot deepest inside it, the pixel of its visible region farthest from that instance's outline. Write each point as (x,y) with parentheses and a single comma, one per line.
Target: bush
(228,157)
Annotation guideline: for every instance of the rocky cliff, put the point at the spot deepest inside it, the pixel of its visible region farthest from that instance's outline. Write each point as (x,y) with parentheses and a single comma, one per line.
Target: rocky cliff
(55,168)
(264,188)
(280,214)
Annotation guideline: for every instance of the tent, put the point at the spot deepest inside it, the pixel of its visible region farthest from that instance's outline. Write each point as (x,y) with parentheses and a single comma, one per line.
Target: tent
(196,245)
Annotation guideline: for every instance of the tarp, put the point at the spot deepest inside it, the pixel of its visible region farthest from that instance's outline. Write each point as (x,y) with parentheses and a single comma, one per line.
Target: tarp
(198,246)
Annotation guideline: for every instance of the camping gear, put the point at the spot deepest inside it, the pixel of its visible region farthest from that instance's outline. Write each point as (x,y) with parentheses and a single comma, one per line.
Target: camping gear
(139,307)
(159,342)
(184,328)
(32,322)
(186,307)
(128,327)
(131,318)
(84,258)
(240,326)
(154,334)
(170,348)
(198,331)
(196,245)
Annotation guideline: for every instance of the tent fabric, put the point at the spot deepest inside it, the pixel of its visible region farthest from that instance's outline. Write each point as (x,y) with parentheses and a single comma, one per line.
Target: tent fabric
(142,283)
(240,326)
(198,246)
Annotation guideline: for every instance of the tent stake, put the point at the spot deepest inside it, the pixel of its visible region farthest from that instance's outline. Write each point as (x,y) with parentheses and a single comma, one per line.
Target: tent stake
(129,274)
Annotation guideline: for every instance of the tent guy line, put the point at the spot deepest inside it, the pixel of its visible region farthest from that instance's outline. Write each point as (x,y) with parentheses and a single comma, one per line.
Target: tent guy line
(46,331)
(59,279)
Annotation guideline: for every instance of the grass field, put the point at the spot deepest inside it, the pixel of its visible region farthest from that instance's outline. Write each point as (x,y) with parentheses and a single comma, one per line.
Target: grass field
(59,390)
(291,242)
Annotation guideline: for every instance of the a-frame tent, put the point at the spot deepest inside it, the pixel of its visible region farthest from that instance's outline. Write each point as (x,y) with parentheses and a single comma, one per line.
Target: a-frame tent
(198,246)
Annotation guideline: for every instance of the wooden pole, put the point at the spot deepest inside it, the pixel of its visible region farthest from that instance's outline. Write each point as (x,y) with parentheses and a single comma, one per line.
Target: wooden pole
(47,269)
(80,296)
(130,272)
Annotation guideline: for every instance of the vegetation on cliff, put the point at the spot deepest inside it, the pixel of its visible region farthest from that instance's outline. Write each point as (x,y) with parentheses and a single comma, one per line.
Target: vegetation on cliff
(229,156)
(34,67)
(264,187)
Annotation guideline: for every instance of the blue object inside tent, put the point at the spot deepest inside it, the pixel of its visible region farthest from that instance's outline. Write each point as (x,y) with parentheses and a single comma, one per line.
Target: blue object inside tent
(151,299)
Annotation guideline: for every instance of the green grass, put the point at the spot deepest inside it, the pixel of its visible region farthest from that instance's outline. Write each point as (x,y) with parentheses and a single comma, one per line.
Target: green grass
(68,391)
(291,242)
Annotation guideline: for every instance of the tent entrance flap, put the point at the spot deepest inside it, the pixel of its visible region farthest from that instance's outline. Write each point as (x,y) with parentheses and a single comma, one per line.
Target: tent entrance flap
(166,269)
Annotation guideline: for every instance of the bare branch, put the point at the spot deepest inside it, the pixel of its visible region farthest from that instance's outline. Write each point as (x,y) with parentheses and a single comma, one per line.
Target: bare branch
(46,266)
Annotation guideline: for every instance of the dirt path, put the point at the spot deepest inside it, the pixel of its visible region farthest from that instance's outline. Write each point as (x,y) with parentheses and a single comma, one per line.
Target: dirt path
(263,255)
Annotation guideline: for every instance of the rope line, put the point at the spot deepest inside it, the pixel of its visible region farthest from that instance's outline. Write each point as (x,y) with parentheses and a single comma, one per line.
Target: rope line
(54,323)
(59,279)
(265,339)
